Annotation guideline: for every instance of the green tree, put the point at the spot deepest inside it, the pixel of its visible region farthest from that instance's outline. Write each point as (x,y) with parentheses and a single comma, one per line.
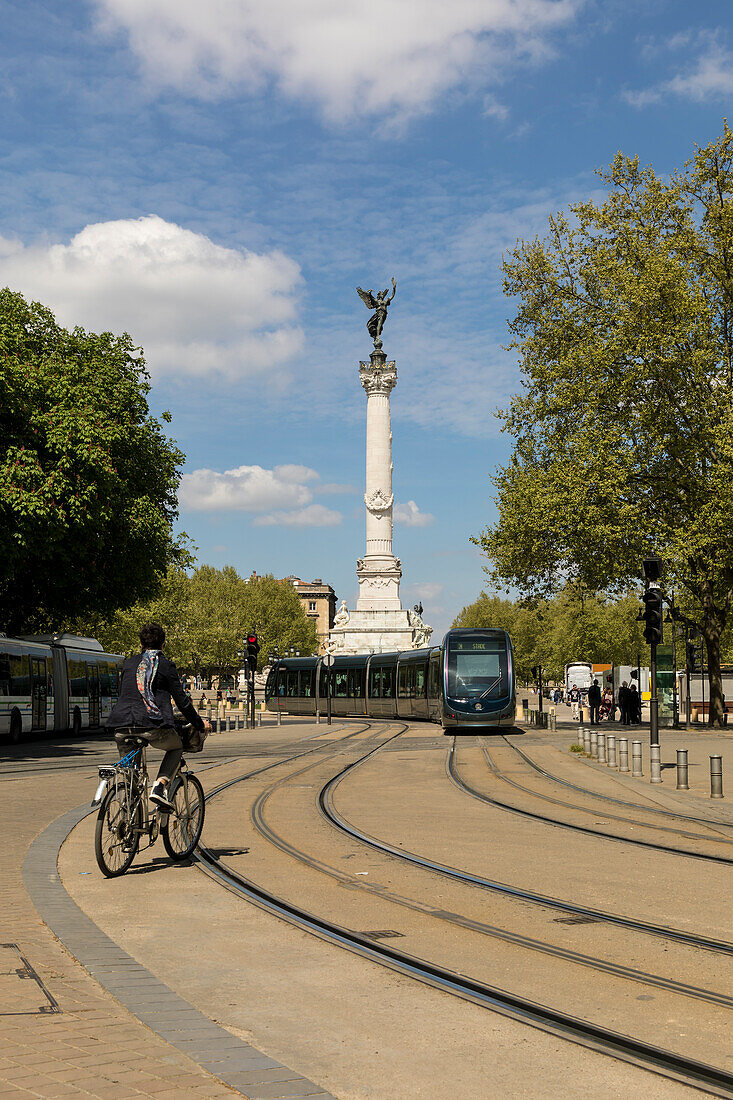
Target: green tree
(88,479)
(623,440)
(572,626)
(206,617)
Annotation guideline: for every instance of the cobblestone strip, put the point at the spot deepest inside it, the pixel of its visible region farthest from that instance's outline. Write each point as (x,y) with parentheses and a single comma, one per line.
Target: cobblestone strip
(231,1060)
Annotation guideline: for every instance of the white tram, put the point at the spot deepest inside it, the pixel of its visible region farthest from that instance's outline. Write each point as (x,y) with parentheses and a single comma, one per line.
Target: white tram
(55,682)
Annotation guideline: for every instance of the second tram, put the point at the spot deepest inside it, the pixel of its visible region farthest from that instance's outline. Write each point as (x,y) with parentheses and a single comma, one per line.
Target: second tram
(465,683)
(55,682)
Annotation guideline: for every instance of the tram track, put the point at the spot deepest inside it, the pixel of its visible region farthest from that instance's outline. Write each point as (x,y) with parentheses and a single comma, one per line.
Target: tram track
(558,823)
(711,823)
(496,770)
(668,1063)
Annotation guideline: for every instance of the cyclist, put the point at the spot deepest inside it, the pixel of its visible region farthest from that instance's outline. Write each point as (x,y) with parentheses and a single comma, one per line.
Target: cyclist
(143,709)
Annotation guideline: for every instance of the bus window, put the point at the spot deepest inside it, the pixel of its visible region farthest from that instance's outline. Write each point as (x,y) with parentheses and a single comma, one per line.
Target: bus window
(4,674)
(341,683)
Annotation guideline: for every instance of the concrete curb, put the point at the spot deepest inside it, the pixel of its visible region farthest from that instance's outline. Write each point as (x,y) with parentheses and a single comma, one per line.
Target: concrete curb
(232,1061)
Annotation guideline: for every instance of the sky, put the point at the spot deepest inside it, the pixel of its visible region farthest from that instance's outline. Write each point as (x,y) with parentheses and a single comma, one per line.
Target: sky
(216,179)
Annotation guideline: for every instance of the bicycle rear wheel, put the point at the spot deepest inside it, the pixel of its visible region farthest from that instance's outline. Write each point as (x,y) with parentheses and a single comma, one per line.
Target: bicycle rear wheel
(182,829)
(117,834)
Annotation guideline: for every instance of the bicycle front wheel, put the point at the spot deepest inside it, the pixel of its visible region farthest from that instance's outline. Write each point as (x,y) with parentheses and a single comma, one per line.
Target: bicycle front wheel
(182,830)
(117,835)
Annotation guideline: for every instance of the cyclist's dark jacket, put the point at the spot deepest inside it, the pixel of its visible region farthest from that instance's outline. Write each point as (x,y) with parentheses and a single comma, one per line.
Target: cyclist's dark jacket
(130,710)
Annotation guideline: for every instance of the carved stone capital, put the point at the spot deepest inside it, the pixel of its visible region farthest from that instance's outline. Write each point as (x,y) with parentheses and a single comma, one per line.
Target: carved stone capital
(378,501)
(378,379)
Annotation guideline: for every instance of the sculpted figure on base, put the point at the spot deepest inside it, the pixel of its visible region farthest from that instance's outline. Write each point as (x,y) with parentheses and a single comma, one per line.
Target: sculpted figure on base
(375,324)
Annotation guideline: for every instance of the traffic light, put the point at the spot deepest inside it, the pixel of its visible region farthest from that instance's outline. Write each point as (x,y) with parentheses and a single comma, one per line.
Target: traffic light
(534,673)
(253,648)
(654,630)
(691,656)
(634,674)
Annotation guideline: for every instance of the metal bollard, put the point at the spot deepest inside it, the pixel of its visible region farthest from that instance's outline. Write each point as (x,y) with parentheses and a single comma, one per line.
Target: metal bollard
(279,718)
(585,734)
(682,784)
(259,719)
(716,776)
(594,744)
(623,754)
(612,750)
(636,766)
(318,717)
(601,748)
(655,764)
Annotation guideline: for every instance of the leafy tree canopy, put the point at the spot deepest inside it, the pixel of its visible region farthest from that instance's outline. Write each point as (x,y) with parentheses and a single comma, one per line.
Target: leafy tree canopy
(572,626)
(88,479)
(207,615)
(623,432)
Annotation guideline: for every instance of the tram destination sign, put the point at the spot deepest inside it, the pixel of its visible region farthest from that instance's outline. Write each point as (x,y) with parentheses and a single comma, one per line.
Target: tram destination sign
(471,645)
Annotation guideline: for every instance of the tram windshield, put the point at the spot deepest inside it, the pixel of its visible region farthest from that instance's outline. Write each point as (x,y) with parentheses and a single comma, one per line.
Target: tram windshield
(477,668)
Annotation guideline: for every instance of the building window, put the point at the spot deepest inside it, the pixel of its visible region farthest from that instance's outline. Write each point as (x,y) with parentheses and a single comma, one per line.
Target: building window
(311,605)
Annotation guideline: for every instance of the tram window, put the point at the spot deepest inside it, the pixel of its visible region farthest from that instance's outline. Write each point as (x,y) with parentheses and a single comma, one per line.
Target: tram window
(356,683)
(388,683)
(420,681)
(281,681)
(77,678)
(403,682)
(49,676)
(4,674)
(322,682)
(292,683)
(307,680)
(341,683)
(434,679)
(375,683)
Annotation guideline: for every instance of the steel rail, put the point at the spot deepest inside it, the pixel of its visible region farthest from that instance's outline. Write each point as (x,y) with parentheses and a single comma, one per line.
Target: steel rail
(586,830)
(655,1059)
(257,816)
(710,822)
(497,771)
(678,935)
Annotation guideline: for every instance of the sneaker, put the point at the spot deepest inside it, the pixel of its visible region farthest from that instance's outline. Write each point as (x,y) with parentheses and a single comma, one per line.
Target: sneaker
(159,796)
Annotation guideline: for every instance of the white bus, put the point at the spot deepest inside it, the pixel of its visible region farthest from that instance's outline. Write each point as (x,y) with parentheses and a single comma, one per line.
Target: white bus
(580,674)
(55,682)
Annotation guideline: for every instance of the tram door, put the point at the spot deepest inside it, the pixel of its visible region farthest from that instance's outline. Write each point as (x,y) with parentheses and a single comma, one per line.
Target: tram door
(39,691)
(93,681)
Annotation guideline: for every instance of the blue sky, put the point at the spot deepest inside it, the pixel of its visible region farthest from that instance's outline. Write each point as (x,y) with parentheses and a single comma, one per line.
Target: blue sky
(217,178)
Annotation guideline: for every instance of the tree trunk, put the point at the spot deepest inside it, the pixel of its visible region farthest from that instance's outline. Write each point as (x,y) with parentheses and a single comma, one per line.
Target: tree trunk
(715,679)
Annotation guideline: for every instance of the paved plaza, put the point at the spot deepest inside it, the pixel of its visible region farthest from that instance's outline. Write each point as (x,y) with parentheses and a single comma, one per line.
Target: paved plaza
(170,1000)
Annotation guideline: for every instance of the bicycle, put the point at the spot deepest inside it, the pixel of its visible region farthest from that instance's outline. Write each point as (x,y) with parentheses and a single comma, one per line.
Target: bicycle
(125,817)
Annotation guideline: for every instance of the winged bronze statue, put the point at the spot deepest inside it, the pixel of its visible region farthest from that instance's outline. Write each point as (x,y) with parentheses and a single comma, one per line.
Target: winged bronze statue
(379,304)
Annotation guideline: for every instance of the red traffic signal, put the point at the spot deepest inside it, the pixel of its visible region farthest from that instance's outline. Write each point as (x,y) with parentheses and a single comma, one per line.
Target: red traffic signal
(253,648)
(653,631)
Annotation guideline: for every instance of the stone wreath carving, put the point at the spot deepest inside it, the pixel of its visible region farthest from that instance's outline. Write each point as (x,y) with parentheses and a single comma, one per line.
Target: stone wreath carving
(377,501)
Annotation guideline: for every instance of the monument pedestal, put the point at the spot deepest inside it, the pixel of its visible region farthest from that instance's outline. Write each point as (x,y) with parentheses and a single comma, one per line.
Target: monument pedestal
(377,631)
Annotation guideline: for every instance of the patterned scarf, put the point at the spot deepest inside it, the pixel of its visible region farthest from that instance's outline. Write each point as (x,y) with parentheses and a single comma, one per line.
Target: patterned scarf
(146,671)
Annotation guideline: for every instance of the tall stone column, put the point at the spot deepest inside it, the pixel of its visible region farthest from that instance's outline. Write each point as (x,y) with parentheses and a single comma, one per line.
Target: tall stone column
(379,571)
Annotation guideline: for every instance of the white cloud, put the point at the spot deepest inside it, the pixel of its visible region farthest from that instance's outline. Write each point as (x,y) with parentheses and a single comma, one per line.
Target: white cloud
(280,497)
(315,515)
(195,307)
(410,515)
(709,76)
(382,59)
(247,489)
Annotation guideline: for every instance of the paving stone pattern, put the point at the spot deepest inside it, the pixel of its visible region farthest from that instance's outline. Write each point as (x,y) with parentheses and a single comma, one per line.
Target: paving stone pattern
(133,1038)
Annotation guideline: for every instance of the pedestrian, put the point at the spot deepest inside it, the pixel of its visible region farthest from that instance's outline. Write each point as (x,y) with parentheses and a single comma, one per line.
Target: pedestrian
(623,703)
(574,700)
(594,702)
(634,706)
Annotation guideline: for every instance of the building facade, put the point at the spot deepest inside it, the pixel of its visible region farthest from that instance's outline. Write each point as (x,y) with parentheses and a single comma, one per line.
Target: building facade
(319,603)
